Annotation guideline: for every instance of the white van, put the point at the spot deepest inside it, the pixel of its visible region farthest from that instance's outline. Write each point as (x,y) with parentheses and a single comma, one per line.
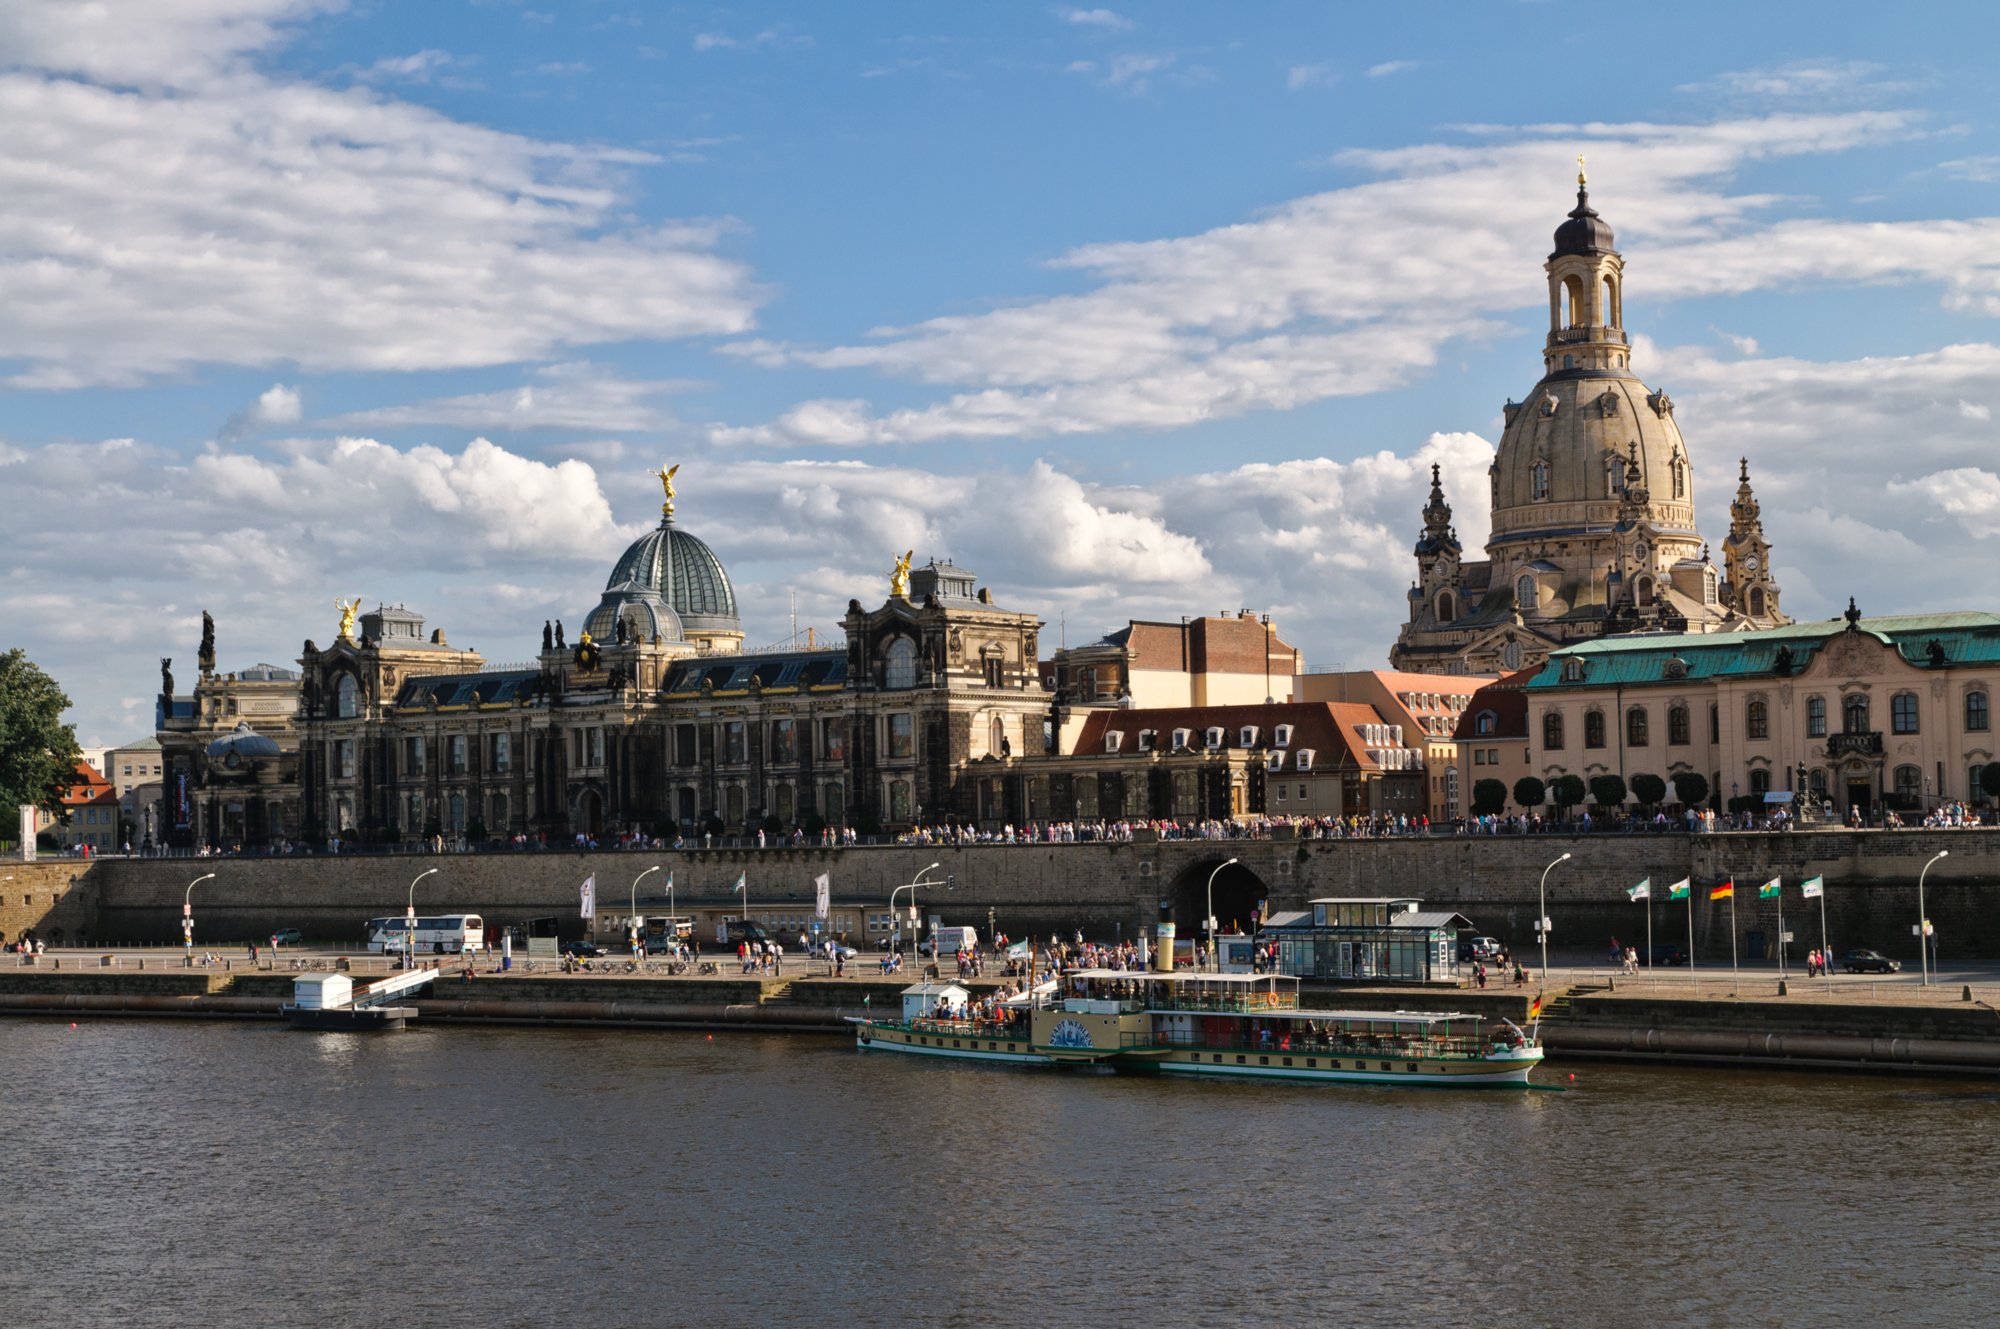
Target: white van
(949,941)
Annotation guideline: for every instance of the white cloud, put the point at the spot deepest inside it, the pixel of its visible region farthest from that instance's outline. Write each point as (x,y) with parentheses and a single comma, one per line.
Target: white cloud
(563,397)
(277,405)
(1300,77)
(417,67)
(1107,19)
(1798,80)
(332,229)
(780,35)
(148,43)
(1388,67)
(1968,493)
(1971,410)
(1358,289)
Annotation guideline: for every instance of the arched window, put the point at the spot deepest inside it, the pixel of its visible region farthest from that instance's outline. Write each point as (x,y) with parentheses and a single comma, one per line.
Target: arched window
(1485,724)
(1816,780)
(1541,476)
(1815,717)
(1903,713)
(1680,470)
(1757,720)
(1854,714)
(1756,602)
(1636,728)
(346,698)
(1977,716)
(900,664)
(1643,593)
(1526,594)
(1708,587)
(1677,726)
(1614,476)
(1446,609)
(1552,731)
(1760,782)
(1909,785)
(1593,729)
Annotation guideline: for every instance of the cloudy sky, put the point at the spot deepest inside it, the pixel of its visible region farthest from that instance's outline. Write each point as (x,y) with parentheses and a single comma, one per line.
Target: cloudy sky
(1136,311)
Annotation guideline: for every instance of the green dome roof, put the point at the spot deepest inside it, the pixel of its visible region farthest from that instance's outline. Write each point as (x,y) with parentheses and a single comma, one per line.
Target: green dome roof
(686,574)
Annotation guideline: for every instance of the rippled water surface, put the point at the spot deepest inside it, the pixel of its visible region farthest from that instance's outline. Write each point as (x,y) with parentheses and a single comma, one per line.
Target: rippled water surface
(247,1174)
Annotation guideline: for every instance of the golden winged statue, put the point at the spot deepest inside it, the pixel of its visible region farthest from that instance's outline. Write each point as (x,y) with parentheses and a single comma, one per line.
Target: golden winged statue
(899,580)
(666,479)
(347,611)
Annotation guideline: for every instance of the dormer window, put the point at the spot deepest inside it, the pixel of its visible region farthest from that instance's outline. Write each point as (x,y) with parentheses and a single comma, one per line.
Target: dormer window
(1485,724)
(1305,759)
(1215,737)
(1146,740)
(1113,741)
(1281,736)
(1246,737)
(1572,671)
(1275,762)
(1180,740)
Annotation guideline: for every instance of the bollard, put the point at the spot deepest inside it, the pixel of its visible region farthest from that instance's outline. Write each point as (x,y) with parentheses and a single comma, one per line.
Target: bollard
(1967,994)
(1783,991)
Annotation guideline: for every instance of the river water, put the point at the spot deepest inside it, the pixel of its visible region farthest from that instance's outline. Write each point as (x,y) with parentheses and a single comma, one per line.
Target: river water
(224,1173)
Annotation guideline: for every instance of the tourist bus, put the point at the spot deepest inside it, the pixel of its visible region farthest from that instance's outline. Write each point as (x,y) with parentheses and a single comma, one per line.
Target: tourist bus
(437,934)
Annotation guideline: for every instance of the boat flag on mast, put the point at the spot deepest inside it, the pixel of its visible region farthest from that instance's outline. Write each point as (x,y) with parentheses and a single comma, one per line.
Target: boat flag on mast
(1679,890)
(1643,891)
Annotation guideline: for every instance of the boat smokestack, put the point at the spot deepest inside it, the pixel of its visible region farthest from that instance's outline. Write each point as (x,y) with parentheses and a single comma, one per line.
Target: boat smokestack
(1163,956)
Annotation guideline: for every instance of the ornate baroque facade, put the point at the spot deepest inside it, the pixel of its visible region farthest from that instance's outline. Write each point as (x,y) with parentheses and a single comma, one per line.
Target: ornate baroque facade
(1592,494)
(656,720)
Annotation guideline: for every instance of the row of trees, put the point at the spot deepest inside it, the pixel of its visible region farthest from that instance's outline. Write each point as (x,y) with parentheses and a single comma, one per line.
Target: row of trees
(1489,797)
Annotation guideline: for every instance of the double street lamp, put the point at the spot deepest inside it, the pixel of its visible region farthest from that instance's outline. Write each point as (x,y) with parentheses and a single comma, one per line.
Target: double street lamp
(911,887)
(1214,956)
(1924,921)
(1542,922)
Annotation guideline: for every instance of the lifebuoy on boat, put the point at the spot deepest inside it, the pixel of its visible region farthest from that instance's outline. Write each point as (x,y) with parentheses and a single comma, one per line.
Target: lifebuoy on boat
(1270,999)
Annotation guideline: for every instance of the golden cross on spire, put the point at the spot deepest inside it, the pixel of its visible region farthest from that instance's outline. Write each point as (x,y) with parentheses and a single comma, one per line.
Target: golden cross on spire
(1580,181)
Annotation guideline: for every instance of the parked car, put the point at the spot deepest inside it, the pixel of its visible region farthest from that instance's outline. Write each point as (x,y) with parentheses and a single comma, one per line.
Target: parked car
(1869,962)
(287,937)
(1480,948)
(826,950)
(1662,956)
(584,949)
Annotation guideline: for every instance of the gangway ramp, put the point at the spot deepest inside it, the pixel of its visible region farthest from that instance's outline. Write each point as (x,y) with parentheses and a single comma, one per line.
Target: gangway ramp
(330,1001)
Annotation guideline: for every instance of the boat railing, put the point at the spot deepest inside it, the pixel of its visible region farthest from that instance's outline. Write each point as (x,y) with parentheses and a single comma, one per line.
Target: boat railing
(1335,1045)
(1234,1003)
(1015,1028)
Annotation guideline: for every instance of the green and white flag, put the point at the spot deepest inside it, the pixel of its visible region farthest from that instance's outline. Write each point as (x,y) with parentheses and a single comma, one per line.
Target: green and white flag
(737,889)
(1769,890)
(1813,887)
(1679,890)
(1643,891)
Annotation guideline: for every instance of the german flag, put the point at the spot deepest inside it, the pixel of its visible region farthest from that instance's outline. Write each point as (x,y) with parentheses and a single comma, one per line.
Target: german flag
(1726,891)
(1535,1009)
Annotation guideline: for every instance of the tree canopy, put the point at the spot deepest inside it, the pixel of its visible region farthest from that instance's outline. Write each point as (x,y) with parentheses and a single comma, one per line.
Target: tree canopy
(1608,790)
(1649,789)
(1567,790)
(38,752)
(1690,788)
(1488,798)
(1530,792)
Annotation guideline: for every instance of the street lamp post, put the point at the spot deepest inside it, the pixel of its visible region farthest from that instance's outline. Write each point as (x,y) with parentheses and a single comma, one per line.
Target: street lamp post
(1923,920)
(410,921)
(911,887)
(632,918)
(1214,959)
(1542,923)
(187,914)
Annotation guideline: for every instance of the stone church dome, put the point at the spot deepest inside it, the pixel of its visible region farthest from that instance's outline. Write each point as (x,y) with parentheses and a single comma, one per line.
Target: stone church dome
(684,572)
(1567,454)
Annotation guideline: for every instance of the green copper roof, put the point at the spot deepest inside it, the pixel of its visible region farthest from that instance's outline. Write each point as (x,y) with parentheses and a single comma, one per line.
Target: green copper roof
(684,571)
(1967,637)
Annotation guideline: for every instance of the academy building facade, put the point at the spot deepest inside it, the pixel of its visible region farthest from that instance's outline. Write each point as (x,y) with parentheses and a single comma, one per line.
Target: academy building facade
(1592,496)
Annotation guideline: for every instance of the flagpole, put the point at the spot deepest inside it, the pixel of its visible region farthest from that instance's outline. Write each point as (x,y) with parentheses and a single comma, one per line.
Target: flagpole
(1649,931)
(1735,975)
(1825,952)
(1690,900)
(1782,973)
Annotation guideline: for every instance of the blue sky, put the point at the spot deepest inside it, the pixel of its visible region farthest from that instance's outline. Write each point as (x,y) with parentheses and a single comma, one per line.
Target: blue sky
(1137,311)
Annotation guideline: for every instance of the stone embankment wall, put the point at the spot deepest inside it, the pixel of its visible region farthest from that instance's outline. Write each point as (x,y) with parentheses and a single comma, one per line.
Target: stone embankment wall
(1106,889)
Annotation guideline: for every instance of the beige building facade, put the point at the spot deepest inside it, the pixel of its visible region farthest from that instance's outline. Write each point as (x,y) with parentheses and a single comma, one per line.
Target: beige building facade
(1865,714)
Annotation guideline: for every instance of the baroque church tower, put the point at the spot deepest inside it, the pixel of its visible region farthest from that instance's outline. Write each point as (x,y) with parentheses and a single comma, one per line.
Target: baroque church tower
(1592,494)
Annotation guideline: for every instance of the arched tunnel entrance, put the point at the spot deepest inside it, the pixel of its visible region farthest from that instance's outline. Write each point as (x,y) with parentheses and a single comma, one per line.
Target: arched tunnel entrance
(1238,893)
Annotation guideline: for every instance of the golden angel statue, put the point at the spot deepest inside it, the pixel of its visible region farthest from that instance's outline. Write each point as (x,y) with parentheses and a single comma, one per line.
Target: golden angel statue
(899,580)
(666,479)
(347,611)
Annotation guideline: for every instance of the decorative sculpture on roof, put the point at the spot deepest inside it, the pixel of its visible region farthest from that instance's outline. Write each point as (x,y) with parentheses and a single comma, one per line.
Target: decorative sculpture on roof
(548,636)
(347,611)
(1783,663)
(899,580)
(666,479)
(1934,652)
(587,654)
(560,645)
(167,677)
(205,658)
